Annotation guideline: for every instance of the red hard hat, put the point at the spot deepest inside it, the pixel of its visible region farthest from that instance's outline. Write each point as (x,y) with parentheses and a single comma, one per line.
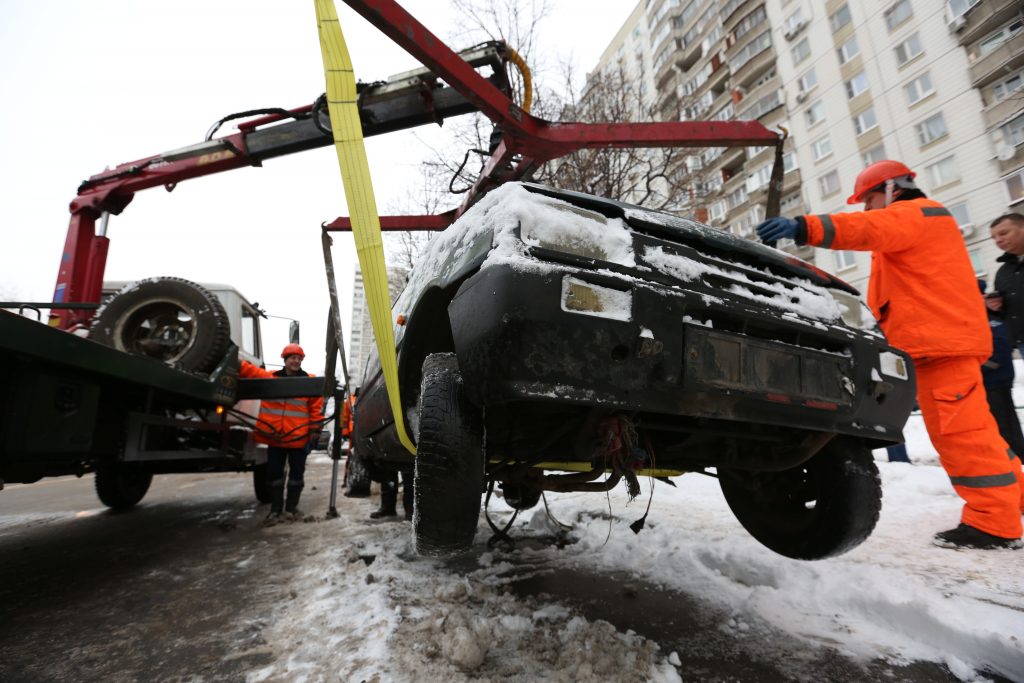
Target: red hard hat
(876,174)
(293,350)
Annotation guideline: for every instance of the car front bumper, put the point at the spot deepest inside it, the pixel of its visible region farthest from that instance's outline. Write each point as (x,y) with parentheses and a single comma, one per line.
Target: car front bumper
(668,352)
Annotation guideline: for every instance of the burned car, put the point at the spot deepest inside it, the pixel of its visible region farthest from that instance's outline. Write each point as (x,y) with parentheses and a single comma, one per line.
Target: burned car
(556,341)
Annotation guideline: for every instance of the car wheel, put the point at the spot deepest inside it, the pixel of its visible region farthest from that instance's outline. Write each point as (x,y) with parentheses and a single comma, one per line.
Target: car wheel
(120,488)
(166,318)
(822,508)
(259,483)
(519,497)
(449,461)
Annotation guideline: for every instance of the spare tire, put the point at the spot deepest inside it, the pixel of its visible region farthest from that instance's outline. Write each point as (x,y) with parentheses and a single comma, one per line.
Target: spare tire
(168,319)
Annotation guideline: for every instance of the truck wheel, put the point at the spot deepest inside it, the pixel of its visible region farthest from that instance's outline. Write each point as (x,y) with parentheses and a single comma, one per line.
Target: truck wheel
(357,476)
(449,461)
(166,318)
(120,488)
(259,483)
(822,508)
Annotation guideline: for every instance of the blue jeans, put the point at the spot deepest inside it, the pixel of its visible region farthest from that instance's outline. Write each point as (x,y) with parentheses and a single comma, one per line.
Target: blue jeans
(897,453)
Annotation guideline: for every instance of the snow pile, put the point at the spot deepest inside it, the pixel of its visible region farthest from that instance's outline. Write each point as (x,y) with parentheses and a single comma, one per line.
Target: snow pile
(366,608)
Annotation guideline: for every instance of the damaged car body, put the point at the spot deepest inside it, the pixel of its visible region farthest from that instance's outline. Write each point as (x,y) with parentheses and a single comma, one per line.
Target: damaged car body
(556,341)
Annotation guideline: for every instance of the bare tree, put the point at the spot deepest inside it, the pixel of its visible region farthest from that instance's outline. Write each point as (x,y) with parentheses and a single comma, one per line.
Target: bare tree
(654,177)
(645,176)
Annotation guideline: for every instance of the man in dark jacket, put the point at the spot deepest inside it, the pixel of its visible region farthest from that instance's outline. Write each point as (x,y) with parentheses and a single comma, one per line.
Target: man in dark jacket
(1007,301)
(997,374)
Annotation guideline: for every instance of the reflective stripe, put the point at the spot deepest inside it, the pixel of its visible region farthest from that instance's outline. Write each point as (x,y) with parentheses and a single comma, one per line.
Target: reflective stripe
(283,411)
(828,231)
(292,401)
(930,211)
(985,481)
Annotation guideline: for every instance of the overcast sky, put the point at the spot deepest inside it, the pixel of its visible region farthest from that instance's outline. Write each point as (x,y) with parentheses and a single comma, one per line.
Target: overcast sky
(92,85)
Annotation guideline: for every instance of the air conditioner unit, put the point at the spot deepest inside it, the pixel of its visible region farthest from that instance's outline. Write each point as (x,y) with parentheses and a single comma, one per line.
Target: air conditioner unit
(794,29)
(958,24)
(801,96)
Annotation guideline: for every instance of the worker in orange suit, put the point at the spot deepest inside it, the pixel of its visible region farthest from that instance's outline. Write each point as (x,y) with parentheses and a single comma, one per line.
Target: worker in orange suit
(925,296)
(288,426)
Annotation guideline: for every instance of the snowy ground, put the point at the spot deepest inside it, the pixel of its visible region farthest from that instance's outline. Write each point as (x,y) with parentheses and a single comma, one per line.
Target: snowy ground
(381,614)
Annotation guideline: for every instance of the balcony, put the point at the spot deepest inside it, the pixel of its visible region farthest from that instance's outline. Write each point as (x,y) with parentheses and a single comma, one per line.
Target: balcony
(985,17)
(664,71)
(998,113)
(734,10)
(690,53)
(731,157)
(754,68)
(1005,59)
(1012,163)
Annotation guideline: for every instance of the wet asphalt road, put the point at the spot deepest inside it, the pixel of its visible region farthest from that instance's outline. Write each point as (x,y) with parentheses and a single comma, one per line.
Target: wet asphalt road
(167,592)
(163,592)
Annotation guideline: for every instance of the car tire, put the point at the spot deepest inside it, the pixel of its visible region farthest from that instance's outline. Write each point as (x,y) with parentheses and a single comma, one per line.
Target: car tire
(820,509)
(120,488)
(260,485)
(166,318)
(449,473)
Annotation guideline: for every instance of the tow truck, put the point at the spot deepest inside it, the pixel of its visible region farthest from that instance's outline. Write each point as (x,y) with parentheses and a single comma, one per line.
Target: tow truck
(98,391)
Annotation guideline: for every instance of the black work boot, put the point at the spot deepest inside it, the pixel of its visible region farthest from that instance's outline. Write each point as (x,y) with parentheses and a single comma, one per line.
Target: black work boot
(291,505)
(382,512)
(969,537)
(276,497)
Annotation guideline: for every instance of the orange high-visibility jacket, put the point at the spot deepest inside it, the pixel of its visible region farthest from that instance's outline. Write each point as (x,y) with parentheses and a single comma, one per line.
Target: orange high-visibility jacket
(923,290)
(285,422)
(348,416)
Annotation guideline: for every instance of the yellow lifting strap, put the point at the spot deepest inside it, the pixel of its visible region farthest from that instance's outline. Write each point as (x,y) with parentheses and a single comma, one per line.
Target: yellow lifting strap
(355,176)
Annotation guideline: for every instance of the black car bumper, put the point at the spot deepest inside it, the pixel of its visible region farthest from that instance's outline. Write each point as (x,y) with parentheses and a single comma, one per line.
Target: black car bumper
(679,353)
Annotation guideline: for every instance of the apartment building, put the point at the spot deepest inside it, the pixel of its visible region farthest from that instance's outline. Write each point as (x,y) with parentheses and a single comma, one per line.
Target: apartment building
(936,84)
(361,341)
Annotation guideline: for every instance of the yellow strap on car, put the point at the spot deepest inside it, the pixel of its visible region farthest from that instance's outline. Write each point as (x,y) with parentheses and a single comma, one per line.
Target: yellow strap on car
(355,176)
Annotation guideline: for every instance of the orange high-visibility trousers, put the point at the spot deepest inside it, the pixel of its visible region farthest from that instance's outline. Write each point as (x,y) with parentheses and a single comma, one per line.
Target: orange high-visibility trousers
(981,467)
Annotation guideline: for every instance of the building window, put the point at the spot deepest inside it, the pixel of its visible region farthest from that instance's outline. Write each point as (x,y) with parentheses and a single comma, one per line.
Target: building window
(1013,132)
(716,211)
(807,81)
(865,121)
(931,129)
(840,19)
(815,113)
(1015,186)
(753,20)
(943,172)
(848,50)
(791,204)
(919,88)
(801,51)
(962,217)
(898,13)
(828,184)
(856,85)
(822,147)
(845,259)
(752,49)
(794,22)
(1006,87)
(958,8)
(874,154)
(908,49)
